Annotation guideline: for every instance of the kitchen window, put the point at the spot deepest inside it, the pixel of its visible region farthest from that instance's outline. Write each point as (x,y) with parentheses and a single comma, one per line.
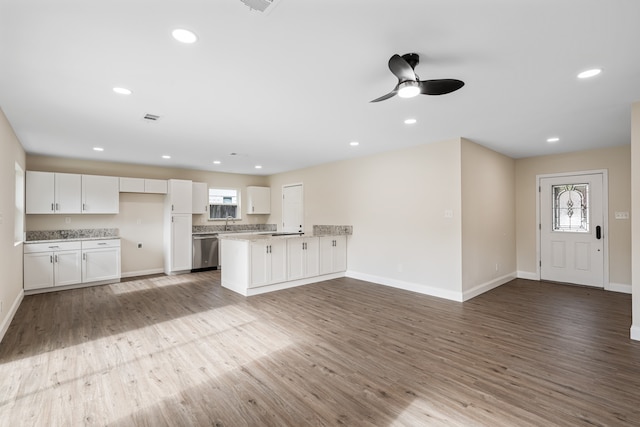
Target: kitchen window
(224,203)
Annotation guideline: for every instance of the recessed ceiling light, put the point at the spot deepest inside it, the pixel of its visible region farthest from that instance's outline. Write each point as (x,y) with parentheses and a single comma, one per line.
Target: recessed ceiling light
(98,149)
(354,143)
(410,121)
(216,162)
(258,167)
(166,157)
(122,90)
(553,139)
(184,36)
(589,73)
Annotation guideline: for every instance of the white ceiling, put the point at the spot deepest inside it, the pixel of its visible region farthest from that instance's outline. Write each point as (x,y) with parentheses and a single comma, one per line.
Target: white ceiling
(290,88)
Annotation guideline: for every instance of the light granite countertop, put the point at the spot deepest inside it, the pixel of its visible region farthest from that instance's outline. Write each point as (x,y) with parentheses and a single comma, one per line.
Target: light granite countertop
(74,239)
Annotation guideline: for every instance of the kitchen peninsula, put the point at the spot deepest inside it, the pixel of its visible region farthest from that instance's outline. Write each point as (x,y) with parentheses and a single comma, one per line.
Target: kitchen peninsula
(258,263)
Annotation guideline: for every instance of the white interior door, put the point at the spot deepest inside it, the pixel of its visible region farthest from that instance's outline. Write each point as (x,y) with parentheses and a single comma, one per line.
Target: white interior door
(572,229)
(292,208)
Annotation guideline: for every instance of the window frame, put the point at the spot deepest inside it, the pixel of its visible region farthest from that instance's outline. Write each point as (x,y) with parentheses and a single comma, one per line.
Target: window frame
(238,203)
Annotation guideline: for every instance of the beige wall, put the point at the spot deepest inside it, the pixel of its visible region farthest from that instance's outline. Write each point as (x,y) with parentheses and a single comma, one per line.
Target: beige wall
(10,254)
(488,219)
(395,202)
(635,217)
(141,215)
(617,161)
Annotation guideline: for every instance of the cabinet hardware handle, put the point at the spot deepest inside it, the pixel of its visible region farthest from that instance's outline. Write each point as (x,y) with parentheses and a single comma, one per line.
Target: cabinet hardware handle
(102,243)
(171,207)
(57,207)
(84,208)
(53,247)
(52,208)
(55,257)
(84,257)
(51,259)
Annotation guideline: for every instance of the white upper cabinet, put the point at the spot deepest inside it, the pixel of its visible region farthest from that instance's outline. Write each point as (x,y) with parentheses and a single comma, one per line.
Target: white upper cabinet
(200,198)
(258,200)
(48,193)
(156,186)
(100,194)
(143,185)
(179,196)
(131,185)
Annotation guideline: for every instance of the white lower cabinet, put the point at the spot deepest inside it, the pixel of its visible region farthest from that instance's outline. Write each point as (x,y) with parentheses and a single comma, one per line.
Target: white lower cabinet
(178,244)
(303,254)
(50,265)
(100,260)
(47,265)
(268,262)
(333,254)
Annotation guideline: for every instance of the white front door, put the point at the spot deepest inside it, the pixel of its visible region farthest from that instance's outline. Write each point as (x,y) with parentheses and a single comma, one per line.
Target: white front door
(292,208)
(572,229)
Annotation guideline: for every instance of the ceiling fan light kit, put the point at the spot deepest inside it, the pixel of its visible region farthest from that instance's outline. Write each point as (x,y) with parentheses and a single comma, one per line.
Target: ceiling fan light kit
(408,89)
(410,85)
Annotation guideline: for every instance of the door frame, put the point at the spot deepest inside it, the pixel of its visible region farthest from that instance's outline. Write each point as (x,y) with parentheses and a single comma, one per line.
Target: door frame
(605,219)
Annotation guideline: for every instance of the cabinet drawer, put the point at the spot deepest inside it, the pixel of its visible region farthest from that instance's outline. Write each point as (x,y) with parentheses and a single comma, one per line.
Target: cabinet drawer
(100,244)
(30,248)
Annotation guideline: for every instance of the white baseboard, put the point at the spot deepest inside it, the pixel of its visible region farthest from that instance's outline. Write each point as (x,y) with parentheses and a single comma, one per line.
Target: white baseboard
(487,286)
(635,333)
(408,286)
(11,314)
(527,275)
(618,287)
(142,272)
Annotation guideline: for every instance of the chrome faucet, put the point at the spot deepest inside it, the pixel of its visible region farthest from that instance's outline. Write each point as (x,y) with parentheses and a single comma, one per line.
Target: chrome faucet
(226,222)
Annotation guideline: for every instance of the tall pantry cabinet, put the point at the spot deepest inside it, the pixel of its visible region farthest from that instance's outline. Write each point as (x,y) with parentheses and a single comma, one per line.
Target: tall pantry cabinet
(177,227)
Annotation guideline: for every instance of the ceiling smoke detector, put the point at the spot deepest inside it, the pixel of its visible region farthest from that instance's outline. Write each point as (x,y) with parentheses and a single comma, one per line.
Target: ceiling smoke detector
(260,5)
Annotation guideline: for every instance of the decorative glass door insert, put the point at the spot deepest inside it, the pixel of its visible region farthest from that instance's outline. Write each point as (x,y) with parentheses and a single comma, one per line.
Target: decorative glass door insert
(570,207)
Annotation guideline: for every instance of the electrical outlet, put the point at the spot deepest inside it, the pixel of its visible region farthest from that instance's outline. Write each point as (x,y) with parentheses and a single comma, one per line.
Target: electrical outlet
(67,220)
(448,213)
(497,266)
(139,245)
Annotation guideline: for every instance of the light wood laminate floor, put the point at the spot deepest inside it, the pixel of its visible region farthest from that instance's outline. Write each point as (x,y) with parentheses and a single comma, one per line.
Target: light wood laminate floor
(182,351)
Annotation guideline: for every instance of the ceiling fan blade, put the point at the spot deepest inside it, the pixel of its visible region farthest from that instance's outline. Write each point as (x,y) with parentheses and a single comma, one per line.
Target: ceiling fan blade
(387,96)
(401,68)
(440,86)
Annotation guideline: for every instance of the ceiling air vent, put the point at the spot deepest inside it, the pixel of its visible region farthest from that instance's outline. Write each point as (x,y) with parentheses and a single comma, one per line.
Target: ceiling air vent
(260,5)
(151,117)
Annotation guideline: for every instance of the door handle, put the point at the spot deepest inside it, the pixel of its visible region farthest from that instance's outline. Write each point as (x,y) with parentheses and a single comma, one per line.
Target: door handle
(598,232)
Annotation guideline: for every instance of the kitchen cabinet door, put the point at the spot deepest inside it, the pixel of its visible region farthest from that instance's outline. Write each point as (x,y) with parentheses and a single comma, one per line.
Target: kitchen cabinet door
(68,193)
(258,200)
(100,264)
(303,257)
(38,270)
(67,268)
(333,254)
(40,192)
(131,185)
(200,196)
(181,246)
(179,196)
(278,265)
(100,194)
(268,262)
(48,192)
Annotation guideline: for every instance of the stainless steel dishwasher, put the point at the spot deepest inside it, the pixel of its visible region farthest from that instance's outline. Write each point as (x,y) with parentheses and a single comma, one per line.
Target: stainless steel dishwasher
(205,252)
